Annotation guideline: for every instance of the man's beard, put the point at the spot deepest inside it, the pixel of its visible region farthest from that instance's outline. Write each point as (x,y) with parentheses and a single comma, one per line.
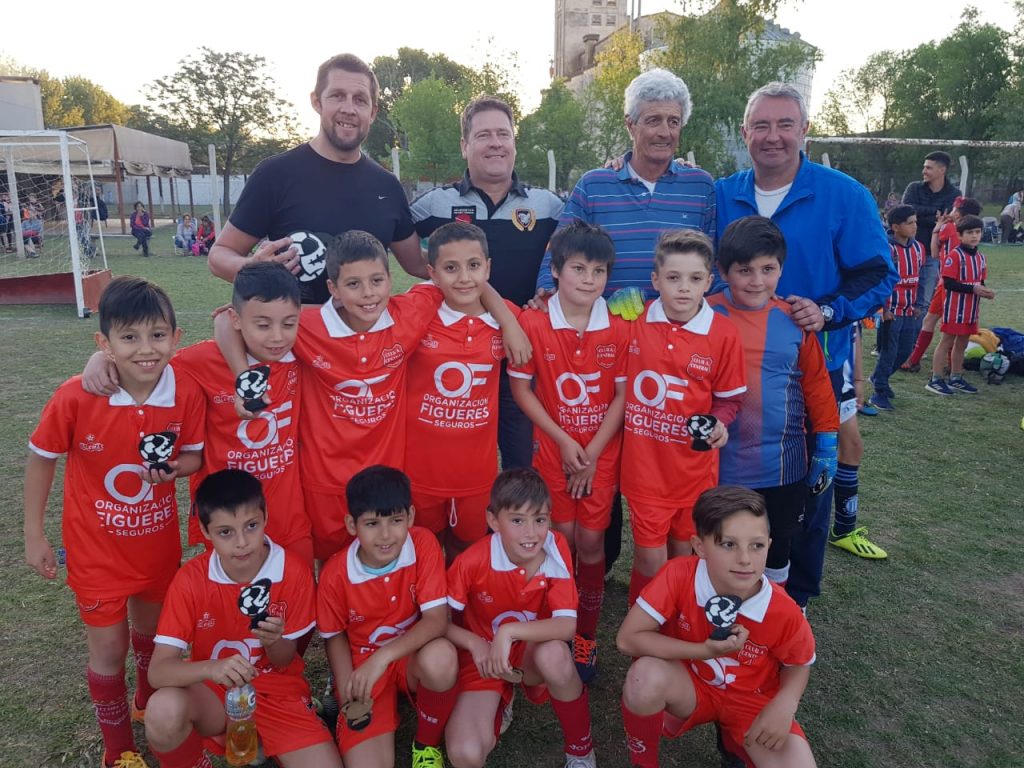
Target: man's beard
(345,145)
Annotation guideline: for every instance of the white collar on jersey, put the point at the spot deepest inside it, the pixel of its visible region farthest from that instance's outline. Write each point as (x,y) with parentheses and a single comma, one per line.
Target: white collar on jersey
(272,568)
(553,567)
(598,315)
(339,329)
(754,608)
(699,323)
(357,572)
(451,316)
(162,395)
(288,357)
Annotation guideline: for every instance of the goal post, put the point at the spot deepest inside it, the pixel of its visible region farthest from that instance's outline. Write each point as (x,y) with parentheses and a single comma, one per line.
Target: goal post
(49,252)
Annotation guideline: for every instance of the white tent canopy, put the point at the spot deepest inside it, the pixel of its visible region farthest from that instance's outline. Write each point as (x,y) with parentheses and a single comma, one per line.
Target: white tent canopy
(111,147)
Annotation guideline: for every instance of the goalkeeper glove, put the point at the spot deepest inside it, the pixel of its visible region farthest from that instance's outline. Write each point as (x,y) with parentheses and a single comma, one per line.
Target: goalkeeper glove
(824,462)
(627,303)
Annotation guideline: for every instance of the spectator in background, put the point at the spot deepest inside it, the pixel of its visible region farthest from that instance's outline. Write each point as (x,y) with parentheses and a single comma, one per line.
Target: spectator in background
(6,223)
(204,237)
(1009,221)
(185,234)
(142,228)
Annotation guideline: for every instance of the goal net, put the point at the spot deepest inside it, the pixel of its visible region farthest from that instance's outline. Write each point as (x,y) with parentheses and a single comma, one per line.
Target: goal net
(51,239)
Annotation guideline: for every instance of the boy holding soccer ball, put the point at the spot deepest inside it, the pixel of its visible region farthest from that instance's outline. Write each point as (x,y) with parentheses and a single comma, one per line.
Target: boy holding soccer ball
(716,641)
(120,521)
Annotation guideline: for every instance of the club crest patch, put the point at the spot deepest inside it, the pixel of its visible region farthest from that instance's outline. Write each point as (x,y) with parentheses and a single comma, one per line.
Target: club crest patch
(497,347)
(464,213)
(699,367)
(605,354)
(524,219)
(750,653)
(392,357)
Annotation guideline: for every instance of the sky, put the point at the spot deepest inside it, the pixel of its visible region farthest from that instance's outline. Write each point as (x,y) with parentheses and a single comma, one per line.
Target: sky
(124,59)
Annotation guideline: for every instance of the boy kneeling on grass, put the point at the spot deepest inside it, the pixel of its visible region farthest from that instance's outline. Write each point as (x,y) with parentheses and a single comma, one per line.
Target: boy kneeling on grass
(202,614)
(751,682)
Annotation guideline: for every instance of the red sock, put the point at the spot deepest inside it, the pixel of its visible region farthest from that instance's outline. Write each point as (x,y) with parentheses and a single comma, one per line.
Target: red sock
(637,581)
(432,709)
(924,338)
(590,583)
(142,647)
(188,754)
(109,699)
(643,734)
(574,717)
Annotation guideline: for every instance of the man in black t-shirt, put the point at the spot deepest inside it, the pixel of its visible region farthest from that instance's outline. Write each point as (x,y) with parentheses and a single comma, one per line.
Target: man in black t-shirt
(302,198)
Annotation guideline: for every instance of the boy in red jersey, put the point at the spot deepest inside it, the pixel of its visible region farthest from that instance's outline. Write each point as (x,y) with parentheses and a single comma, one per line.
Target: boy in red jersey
(202,617)
(752,681)
(120,522)
(944,240)
(515,601)
(788,388)
(963,272)
(684,361)
(354,351)
(453,394)
(265,311)
(381,609)
(895,335)
(576,403)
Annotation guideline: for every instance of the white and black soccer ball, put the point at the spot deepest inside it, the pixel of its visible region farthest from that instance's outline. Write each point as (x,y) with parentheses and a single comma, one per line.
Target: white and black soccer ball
(157,447)
(252,384)
(254,600)
(312,255)
(722,610)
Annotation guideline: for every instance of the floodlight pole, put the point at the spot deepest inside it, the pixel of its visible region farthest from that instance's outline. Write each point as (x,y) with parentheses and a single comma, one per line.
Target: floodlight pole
(214,200)
(551,171)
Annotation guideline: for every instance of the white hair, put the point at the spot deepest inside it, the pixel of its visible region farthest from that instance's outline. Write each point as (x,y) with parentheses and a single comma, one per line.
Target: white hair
(657,85)
(777,90)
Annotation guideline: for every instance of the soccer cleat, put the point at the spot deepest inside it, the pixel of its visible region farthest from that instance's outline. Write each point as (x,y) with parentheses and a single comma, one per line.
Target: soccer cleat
(938,386)
(961,385)
(138,715)
(867,409)
(129,760)
(875,352)
(881,402)
(426,757)
(911,367)
(584,654)
(572,761)
(856,542)
(506,715)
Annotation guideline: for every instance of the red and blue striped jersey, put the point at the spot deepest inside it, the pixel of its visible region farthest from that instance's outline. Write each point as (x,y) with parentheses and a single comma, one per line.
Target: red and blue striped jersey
(907,259)
(966,267)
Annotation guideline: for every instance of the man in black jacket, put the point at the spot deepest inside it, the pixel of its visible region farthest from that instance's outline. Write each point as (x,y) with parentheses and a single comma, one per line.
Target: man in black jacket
(930,196)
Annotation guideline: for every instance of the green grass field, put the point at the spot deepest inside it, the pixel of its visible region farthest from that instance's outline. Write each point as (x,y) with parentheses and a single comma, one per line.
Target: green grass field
(919,657)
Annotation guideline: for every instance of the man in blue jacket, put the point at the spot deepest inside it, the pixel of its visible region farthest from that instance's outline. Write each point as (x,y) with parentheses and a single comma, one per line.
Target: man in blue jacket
(836,255)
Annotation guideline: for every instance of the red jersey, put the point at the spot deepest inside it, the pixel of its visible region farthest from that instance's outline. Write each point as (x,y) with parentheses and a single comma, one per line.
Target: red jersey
(489,590)
(374,609)
(266,447)
(201,611)
(452,425)
(969,268)
(779,632)
(575,376)
(353,387)
(949,238)
(674,372)
(907,259)
(121,533)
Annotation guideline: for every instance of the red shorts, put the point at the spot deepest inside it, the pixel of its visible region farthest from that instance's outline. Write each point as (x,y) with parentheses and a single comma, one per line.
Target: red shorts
(653,525)
(107,611)
(384,716)
(464,515)
(470,679)
(938,299)
(959,329)
(735,712)
(593,512)
(327,516)
(285,723)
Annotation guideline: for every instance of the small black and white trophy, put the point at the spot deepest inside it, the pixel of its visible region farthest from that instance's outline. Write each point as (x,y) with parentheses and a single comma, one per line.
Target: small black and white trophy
(251,385)
(358,714)
(254,601)
(156,449)
(700,426)
(721,611)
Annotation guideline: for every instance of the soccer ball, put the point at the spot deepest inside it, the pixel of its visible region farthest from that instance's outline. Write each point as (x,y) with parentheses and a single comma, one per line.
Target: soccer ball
(994,366)
(252,384)
(312,255)
(254,599)
(721,610)
(157,447)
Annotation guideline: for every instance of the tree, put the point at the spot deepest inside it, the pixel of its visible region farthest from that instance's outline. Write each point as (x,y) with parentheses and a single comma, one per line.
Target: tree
(227,99)
(557,124)
(603,99)
(427,113)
